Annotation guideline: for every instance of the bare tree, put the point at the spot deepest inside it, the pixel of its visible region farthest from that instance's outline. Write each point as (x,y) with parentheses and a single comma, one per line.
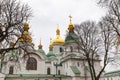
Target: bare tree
(113,15)
(12,16)
(92,41)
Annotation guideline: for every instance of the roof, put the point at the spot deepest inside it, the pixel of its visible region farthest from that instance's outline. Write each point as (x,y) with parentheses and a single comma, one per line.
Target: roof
(41,51)
(34,76)
(60,64)
(12,54)
(52,57)
(114,73)
(75,69)
(87,68)
(71,37)
(50,53)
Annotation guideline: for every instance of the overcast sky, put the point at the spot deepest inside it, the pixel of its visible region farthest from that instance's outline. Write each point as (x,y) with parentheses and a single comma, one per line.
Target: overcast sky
(47,14)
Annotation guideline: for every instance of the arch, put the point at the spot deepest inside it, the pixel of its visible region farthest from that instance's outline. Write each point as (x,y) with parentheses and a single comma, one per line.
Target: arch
(48,71)
(26,55)
(31,64)
(11,70)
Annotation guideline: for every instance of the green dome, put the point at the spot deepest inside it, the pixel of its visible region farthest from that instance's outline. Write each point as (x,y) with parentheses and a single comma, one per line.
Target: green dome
(41,51)
(52,57)
(71,37)
(50,53)
(12,55)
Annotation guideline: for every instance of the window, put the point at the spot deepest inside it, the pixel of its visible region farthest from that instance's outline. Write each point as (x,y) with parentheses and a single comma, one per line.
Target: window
(78,64)
(11,70)
(58,72)
(71,49)
(61,50)
(48,70)
(31,64)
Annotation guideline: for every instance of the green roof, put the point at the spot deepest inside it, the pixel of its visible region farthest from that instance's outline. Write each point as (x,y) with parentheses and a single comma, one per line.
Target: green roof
(34,76)
(60,64)
(114,73)
(41,51)
(12,54)
(87,68)
(50,53)
(75,69)
(71,37)
(52,57)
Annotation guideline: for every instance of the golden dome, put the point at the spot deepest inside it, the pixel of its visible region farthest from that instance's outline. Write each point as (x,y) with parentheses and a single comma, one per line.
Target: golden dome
(50,46)
(26,26)
(58,39)
(25,36)
(70,26)
(40,45)
(58,31)
(118,40)
(12,42)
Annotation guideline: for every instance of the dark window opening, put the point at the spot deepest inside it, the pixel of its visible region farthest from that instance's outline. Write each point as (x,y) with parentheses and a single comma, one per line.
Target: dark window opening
(11,69)
(31,64)
(78,64)
(71,49)
(58,72)
(61,50)
(48,70)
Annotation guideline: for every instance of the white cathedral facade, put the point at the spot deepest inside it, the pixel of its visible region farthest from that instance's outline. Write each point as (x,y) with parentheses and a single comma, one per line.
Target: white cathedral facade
(62,62)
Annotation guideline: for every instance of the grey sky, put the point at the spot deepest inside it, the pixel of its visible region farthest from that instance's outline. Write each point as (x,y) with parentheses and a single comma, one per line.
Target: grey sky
(47,14)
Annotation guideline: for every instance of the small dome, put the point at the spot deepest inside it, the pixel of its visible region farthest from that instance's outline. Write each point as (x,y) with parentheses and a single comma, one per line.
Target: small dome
(52,57)
(70,27)
(12,43)
(40,45)
(58,39)
(41,51)
(50,53)
(118,40)
(25,37)
(71,38)
(26,26)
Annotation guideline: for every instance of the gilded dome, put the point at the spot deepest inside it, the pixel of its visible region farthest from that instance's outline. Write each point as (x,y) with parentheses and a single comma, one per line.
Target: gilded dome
(71,36)
(50,47)
(40,45)
(25,36)
(12,43)
(26,26)
(118,40)
(58,39)
(70,26)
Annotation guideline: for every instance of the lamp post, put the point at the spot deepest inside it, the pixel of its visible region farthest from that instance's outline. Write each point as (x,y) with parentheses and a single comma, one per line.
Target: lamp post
(56,66)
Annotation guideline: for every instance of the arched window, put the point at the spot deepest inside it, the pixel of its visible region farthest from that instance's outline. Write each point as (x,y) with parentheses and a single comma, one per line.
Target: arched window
(31,64)
(61,50)
(48,70)
(78,64)
(11,69)
(58,72)
(71,49)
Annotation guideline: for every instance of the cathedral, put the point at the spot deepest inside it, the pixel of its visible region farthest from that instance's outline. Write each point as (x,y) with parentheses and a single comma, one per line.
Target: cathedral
(62,62)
